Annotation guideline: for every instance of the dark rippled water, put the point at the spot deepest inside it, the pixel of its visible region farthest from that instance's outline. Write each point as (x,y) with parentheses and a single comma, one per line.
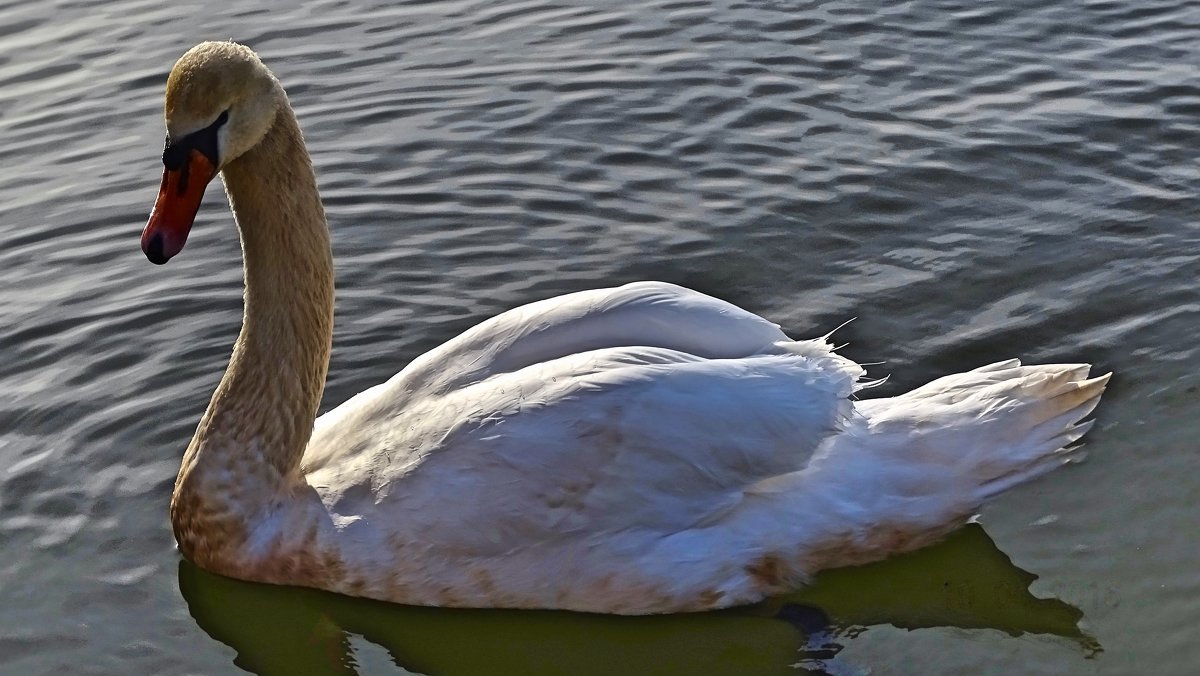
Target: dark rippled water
(972,181)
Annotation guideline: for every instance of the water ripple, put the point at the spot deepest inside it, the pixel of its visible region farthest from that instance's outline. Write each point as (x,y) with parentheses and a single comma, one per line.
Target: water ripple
(971,181)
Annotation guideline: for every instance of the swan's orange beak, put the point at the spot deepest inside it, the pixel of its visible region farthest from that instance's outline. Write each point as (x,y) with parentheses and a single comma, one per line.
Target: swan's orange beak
(175,209)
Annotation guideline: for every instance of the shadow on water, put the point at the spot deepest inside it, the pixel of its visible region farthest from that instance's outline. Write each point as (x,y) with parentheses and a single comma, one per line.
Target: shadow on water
(964,582)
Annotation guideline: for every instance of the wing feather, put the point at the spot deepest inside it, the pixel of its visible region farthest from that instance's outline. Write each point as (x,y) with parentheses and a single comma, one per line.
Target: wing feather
(604,441)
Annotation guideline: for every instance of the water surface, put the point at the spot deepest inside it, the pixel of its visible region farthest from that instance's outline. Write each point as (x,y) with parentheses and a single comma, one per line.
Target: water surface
(972,182)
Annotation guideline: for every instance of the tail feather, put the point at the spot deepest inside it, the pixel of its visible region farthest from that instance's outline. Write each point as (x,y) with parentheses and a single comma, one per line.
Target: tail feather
(1074,405)
(998,366)
(1010,376)
(907,470)
(993,428)
(1033,470)
(1078,396)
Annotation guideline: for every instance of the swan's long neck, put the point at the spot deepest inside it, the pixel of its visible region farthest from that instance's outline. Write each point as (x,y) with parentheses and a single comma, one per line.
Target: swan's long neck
(245,456)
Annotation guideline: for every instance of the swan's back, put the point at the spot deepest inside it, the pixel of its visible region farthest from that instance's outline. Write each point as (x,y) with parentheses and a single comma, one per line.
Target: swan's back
(637,315)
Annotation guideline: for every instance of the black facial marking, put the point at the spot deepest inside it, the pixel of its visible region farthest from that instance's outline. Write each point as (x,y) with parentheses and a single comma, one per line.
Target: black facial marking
(184,172)
(175,155)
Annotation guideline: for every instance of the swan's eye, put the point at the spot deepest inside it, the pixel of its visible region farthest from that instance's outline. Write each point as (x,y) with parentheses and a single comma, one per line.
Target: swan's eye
(222,118)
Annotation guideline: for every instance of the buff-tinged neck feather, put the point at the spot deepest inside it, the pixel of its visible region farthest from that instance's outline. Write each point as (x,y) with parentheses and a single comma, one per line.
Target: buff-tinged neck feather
(245,456)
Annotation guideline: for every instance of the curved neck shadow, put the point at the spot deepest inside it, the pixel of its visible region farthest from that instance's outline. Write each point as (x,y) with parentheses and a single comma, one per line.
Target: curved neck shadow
(963,582)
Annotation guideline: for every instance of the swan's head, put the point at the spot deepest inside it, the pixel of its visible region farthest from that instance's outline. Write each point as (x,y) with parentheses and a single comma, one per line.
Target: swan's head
(220,102)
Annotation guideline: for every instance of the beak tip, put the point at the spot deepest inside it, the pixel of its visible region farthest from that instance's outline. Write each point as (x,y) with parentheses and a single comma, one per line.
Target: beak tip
(153,248)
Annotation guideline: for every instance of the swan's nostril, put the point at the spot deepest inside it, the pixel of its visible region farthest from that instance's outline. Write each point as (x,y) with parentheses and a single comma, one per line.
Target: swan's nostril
(154,249)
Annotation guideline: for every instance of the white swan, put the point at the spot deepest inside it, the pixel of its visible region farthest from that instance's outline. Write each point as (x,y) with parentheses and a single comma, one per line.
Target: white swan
(641,449)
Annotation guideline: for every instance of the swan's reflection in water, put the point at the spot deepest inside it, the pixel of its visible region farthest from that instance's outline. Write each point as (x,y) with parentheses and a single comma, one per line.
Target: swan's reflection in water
(964,582)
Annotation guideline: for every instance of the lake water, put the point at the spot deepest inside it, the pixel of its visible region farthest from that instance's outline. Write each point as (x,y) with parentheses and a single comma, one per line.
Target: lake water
(971,181)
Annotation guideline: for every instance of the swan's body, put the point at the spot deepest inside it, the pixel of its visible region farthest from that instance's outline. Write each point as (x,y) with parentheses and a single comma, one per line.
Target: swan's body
(632,450)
